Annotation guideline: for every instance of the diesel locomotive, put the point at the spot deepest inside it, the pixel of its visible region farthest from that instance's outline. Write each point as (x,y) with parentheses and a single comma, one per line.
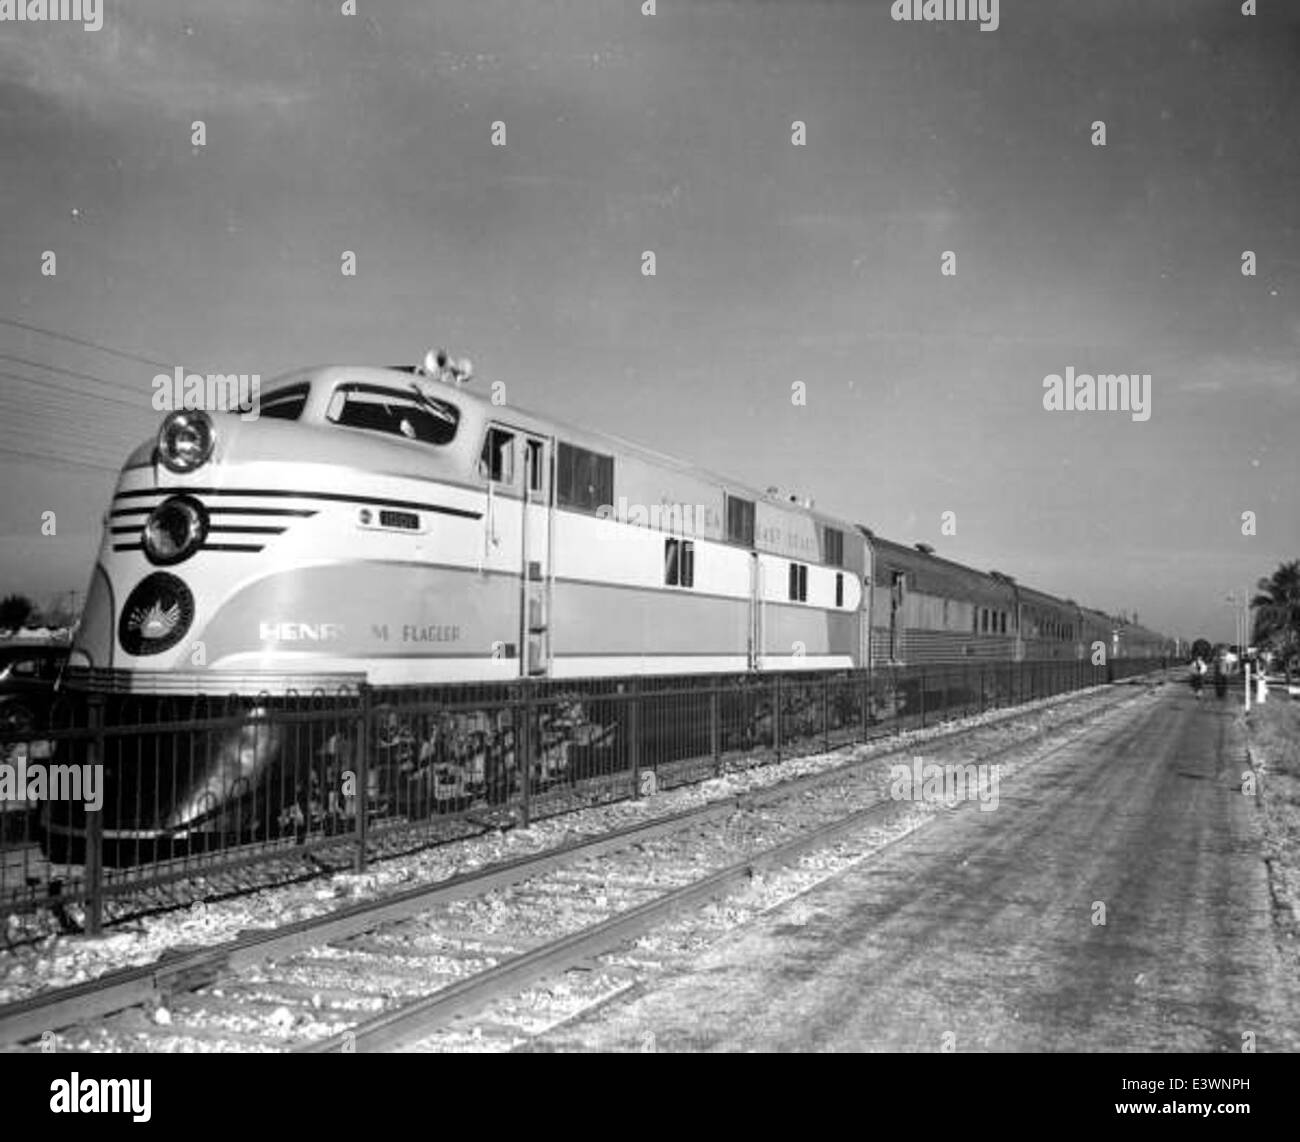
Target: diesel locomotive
(388,525)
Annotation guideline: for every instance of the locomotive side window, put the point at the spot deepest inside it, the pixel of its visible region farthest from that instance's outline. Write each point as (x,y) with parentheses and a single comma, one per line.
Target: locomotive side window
(497,460)
(536,472)
(798,583)
(740,521)
(839,596)
(583,479)
(379,409)
(679,563)
(834,546)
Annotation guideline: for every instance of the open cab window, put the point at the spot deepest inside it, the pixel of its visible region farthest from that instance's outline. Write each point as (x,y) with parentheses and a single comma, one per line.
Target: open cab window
(497,460)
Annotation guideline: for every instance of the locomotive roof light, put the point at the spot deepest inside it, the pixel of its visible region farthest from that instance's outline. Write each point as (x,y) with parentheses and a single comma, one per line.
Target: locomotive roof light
(438,365)
(434,362)
(185,440)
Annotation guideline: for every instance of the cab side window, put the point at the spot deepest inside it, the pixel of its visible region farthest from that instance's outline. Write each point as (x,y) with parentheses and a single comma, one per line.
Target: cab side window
(497,460)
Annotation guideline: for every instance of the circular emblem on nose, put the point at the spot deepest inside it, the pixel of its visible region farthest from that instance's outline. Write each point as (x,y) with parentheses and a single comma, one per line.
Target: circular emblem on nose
(156,615)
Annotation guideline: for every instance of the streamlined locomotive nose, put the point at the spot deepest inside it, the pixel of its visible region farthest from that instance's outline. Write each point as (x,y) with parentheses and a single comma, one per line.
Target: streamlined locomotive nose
(230,781)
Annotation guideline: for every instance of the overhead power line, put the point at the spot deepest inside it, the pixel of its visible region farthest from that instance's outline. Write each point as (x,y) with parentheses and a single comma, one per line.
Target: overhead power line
(124,354)
(50,387)
(29,363)
(68,453)
(4,448)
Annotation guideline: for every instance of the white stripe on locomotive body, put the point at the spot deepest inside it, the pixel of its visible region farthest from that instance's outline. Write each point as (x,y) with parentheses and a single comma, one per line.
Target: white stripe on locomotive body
(624,554)
(775,582)
(302,570)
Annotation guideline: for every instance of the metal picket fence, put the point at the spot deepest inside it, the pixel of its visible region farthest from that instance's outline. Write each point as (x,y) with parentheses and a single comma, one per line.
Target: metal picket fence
(191,786)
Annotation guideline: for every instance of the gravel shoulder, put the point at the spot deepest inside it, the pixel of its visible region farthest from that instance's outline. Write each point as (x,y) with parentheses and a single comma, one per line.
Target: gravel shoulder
(1273,731)
(982,931)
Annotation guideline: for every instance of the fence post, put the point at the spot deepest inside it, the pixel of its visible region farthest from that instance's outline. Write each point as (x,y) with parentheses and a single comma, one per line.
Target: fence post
(95,825)
(922,689)
(525,758)
(866,702)
(776,717)
(826,712)
(362,801)
(634,733)
(715,726)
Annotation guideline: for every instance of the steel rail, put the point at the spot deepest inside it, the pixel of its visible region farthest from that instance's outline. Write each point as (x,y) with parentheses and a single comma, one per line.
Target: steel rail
(186,970)
(405,1026)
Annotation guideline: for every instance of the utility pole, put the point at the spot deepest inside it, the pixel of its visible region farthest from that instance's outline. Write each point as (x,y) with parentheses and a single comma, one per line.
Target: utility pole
(1241,617)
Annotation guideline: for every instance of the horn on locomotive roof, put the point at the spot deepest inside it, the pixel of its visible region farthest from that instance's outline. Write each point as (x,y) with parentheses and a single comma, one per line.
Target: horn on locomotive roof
(438,365)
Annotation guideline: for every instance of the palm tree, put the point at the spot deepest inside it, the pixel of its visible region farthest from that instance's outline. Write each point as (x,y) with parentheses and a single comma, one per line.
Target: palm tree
(1277,610)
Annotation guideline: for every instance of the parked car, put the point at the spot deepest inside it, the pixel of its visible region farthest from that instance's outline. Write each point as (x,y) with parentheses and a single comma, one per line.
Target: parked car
(28,674)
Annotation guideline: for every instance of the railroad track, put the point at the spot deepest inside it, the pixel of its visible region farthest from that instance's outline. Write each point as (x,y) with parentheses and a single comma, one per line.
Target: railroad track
(408,970)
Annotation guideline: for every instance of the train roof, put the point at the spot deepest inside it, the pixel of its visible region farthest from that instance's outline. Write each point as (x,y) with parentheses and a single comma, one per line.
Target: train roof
(929,573)
(934,575)
(605,442)
(1034,597)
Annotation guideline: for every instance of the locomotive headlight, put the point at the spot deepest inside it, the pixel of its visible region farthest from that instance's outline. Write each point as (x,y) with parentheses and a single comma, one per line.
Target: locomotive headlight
(175,529)
(185,440)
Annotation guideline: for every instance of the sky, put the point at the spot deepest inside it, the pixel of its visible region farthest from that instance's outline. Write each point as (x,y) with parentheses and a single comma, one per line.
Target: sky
(775,263)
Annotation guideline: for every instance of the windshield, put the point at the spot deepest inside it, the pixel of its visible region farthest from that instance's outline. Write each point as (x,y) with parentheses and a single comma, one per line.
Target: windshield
(395,413)
(286,403)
